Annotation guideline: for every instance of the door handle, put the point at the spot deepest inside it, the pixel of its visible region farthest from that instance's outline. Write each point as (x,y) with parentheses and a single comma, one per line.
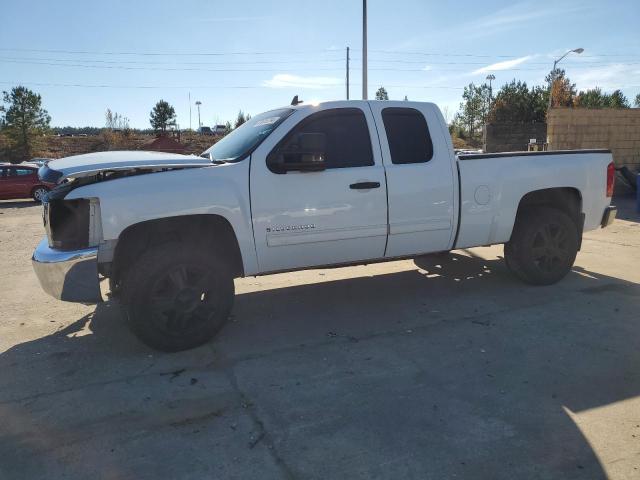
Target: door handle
(364,185)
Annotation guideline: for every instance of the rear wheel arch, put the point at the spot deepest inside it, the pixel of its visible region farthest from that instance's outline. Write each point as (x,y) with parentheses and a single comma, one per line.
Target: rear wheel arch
(207,231)
(566,199)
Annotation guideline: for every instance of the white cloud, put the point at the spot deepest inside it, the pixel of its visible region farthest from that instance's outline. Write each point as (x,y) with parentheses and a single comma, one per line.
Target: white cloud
(522,14)
(283,80)
(608,78)
(505,65)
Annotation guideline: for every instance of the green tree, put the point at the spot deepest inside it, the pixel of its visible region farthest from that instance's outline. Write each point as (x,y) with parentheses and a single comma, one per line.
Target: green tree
(162,116)
(514,102)
(592,98)
(381,94)
(595,98)
(240,119)
(618,100)
(23,119)
(636,102)
(473,110)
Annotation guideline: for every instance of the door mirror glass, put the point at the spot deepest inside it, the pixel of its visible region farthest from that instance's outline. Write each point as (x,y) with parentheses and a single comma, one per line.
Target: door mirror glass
(305,153)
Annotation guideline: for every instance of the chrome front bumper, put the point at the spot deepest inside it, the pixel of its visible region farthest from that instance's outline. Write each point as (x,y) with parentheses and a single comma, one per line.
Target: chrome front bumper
(71,276)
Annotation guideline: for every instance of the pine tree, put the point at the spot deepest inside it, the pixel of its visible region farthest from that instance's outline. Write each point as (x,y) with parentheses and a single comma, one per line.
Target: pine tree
(382,94)
(24,119)
(162,116)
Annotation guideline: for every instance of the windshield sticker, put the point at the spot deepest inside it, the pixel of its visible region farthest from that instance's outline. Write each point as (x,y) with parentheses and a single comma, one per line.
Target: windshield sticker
(266,121)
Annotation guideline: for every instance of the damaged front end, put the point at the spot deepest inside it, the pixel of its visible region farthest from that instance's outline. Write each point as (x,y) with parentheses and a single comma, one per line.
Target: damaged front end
(66,261)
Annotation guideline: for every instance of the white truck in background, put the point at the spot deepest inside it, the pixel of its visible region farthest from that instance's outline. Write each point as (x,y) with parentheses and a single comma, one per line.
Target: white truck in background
(299,187)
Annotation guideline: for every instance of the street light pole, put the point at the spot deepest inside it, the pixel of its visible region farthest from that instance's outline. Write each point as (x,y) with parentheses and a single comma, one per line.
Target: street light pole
(198,103)
(553,73)
(347,73)
(491,77)
(364,49)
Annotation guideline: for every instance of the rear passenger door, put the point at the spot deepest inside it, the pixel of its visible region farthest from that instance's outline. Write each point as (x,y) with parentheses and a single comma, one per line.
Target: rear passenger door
(420,177)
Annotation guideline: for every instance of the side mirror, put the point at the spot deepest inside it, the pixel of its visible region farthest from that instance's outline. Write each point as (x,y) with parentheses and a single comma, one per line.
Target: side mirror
(304,153)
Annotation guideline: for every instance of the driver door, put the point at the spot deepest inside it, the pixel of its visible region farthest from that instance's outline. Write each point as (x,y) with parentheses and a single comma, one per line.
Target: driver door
(312,218)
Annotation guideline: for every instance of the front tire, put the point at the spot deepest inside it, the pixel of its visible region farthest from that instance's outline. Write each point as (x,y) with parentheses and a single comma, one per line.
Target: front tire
(178,296)
(543,246)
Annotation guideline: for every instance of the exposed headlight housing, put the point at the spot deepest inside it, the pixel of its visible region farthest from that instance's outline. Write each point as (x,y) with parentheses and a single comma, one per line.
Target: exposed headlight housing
(72,224)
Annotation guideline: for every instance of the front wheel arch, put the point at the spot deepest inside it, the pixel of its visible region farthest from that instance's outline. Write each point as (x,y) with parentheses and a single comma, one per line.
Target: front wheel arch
(206,231)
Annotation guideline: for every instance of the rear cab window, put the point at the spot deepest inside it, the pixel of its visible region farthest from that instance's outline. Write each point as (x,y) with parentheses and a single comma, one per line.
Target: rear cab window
(408,135)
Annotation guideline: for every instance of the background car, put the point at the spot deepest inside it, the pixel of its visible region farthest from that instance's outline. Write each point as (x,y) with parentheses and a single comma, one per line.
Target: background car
(219,129)
(205,131)
(21,181)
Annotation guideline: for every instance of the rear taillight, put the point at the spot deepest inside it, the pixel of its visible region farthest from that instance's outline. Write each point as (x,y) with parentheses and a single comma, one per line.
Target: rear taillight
(611,173)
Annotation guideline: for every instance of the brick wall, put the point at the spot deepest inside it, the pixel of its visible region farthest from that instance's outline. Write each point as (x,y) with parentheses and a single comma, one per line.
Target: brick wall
(512,137)
(580,128)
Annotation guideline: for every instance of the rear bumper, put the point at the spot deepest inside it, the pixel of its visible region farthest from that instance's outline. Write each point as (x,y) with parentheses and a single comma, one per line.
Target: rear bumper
(609,216)
(71,276)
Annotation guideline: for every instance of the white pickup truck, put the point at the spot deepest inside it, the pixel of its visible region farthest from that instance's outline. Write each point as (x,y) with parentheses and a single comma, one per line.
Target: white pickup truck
(337,183)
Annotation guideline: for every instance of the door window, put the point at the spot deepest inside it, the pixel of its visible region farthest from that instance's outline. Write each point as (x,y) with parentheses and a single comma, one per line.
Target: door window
(348,143)
(408,135)
(22,171)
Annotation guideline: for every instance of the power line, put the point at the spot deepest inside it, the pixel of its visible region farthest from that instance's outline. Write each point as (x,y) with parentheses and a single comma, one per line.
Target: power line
(78,85)
(129,62)
(435,54)
(288,52)
(163,69)
(181,54)
(337,68)
(64,61)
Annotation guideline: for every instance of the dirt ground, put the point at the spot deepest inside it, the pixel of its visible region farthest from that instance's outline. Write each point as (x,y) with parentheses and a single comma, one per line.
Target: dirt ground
(433,369)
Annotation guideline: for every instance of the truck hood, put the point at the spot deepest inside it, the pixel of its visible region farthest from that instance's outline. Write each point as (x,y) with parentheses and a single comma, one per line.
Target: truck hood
(89,164)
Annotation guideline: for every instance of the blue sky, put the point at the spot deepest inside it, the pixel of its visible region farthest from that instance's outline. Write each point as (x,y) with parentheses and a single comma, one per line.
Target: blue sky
(84,57)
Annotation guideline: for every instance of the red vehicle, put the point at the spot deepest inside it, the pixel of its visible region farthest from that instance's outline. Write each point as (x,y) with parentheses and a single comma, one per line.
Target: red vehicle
(21,181)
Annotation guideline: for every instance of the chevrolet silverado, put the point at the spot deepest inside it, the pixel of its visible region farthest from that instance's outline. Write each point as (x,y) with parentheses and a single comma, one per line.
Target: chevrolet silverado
(299,187)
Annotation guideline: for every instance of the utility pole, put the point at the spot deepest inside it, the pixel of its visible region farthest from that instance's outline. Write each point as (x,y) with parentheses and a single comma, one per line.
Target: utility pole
(198,103)
(347,73)
(364,49)
(189,110)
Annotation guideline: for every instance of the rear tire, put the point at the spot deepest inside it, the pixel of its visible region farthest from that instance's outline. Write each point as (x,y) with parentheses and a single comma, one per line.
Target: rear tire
(178,296)
(543,246)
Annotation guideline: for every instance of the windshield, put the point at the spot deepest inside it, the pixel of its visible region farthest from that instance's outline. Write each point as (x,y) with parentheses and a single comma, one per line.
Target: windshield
(247,136)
